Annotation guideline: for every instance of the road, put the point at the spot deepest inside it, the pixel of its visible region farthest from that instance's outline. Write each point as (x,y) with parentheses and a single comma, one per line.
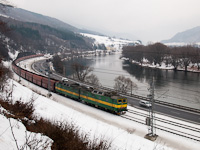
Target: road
(170,111)
(41,66)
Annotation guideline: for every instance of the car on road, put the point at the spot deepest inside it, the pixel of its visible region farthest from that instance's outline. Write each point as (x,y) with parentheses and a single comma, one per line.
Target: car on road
(64,79)
(145,103)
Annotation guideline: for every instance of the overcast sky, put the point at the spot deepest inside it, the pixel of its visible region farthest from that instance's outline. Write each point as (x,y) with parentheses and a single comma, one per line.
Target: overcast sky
(146,20)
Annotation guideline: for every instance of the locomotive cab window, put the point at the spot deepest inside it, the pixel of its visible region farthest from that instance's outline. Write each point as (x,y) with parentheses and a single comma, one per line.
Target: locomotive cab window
(124,100)
(101,93)
(94,91)
(119,101)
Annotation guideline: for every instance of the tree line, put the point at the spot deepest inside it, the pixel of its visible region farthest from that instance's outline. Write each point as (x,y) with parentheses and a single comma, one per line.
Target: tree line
(159,53)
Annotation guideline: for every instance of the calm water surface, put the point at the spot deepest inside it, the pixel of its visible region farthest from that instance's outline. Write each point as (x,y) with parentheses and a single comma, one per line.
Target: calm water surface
(175,87)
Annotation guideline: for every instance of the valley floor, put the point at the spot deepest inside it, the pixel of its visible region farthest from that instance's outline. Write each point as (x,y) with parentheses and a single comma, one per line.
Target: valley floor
(97,124)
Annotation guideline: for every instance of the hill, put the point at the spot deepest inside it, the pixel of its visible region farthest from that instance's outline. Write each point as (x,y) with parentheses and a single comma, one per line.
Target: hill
(37,33)
(35,37)
(188,36)
(27,16)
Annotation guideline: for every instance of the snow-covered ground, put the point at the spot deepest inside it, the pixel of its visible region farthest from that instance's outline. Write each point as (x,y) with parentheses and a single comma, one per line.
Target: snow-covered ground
(182,44)
(98,124)
(191,67)
(11,129)
(117,44)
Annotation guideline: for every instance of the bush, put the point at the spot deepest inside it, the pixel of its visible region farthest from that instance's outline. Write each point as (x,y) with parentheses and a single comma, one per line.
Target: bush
(19,109)
(65,136)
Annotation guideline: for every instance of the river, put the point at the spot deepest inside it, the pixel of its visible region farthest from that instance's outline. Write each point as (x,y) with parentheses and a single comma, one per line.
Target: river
(178,87)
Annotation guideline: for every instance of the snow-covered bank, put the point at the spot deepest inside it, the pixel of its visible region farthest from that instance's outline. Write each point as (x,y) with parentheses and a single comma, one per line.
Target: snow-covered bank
(190,68)
(25,139)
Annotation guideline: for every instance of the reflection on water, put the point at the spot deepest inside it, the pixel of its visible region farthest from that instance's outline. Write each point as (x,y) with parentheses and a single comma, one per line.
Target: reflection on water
(175,87)
(162,77)
(172,86)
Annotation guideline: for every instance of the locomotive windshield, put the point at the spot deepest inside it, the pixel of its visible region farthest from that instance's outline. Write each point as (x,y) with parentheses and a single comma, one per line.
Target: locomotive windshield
(124,101)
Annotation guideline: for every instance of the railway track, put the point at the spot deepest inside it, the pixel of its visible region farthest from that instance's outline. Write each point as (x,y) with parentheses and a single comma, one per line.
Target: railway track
(189,131)
(167,121)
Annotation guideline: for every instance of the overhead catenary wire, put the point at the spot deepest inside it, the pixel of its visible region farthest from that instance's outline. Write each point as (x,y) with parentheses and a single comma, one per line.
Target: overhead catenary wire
(128,74)
(163,80)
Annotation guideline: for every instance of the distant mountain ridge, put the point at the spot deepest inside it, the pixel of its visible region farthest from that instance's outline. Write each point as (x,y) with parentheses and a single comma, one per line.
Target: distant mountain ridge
(188,36)
(32,32)
(28,16)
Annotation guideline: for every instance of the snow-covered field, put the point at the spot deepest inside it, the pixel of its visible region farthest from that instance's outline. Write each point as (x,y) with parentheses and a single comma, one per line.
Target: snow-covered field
(98,124)
(109,42)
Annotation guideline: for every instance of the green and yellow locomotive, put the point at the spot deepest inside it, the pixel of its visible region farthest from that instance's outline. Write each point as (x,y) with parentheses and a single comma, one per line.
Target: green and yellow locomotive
(109,101)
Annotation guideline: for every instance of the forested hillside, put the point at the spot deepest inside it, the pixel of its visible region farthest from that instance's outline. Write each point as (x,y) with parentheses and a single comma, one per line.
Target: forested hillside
(26,36)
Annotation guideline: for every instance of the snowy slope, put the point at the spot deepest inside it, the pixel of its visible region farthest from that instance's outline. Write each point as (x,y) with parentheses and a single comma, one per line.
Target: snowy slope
(187,36)
(21,134)
(109,42)
(122,133)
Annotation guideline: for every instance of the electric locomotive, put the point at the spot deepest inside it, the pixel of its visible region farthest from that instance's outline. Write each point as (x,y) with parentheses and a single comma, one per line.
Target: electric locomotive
(105,100)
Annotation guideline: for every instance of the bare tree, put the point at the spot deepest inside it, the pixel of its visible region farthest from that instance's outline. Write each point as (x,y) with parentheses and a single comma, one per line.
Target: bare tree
(196,57)
(5,74)
(81,71)
(174,59)
(185,55)
(123,84)
(157,53)
(58,64)
(93,79)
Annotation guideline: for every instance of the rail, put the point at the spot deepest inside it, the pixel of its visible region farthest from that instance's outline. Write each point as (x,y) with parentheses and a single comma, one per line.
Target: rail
(158,101)
(178,132)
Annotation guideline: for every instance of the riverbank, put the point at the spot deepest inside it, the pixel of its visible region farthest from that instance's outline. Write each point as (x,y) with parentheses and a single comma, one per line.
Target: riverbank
(191,68)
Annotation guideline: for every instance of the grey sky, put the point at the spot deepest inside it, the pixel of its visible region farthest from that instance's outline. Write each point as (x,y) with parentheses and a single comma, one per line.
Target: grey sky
(147,20)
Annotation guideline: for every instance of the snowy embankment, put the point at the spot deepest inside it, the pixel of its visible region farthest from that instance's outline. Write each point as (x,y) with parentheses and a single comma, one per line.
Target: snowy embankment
(24,138)
(190,68)
(98,124)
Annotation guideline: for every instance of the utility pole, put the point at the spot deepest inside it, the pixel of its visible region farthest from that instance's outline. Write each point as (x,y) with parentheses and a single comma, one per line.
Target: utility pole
(49,91)
(19,73)
(150,120)
(64,70)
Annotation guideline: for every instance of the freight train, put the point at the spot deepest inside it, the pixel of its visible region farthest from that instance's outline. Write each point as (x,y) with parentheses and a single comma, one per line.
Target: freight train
(106,100)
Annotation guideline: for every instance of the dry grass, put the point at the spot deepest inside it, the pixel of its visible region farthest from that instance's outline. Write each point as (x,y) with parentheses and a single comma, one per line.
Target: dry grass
(65,136)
